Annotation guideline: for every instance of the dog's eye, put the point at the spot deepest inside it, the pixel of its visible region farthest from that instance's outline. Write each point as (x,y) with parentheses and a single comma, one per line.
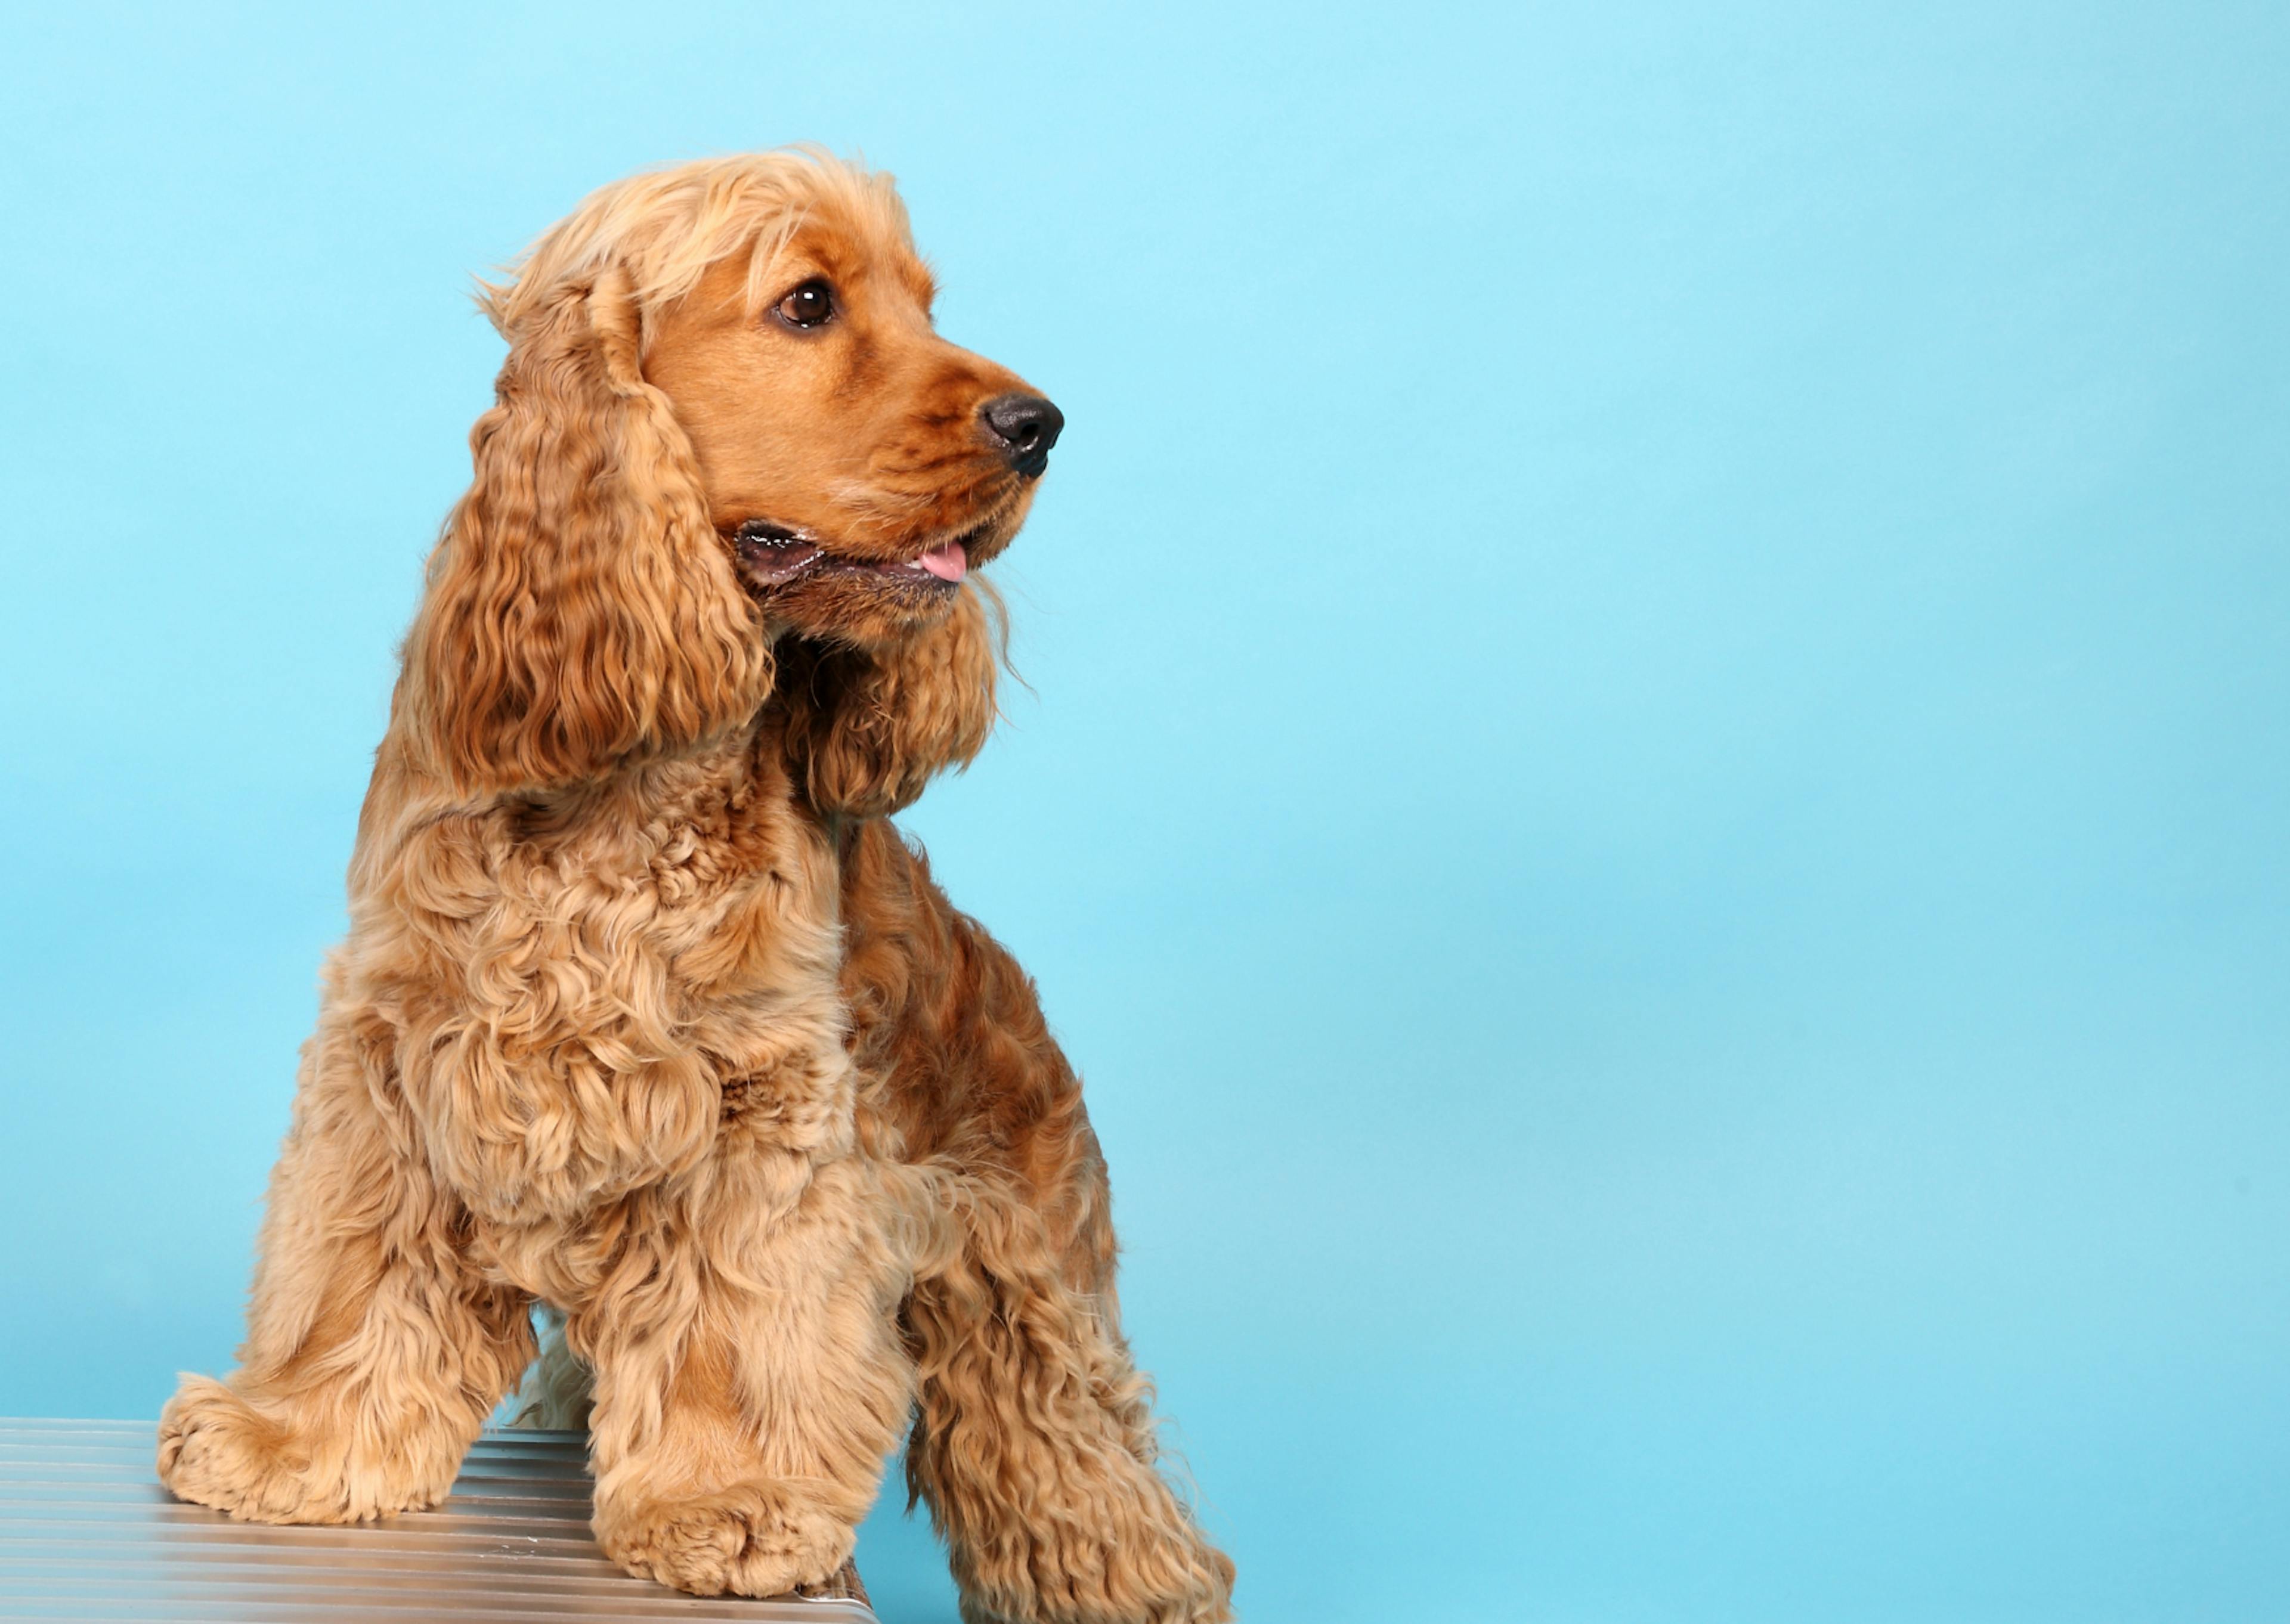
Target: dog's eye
(811,305)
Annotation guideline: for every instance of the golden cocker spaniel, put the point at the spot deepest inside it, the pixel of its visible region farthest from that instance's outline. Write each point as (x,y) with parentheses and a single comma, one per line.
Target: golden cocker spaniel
(647,1013)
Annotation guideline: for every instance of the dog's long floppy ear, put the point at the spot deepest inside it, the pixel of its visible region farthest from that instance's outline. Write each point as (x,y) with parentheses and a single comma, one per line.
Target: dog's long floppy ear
(868,728)
(580,610)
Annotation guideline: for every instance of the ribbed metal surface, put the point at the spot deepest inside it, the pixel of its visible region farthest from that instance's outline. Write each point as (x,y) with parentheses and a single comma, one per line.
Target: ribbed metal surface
(87,1533)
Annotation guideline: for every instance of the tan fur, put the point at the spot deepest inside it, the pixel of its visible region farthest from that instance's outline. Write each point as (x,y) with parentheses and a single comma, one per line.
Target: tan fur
(645,1014)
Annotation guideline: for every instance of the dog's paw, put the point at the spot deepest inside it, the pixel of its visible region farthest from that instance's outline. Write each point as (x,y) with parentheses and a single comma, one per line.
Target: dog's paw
(218,1449)
(1191,1584)
(756,1539)
(1153,1571)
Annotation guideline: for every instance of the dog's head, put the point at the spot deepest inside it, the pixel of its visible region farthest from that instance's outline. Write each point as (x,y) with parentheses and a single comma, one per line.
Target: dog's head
(732,463)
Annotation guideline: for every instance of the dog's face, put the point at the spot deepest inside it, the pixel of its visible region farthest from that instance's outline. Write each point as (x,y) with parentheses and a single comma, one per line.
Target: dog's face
(856,463)
(731,475)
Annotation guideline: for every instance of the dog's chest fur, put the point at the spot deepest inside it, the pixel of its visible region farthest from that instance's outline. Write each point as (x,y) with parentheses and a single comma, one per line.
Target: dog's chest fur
(611,990)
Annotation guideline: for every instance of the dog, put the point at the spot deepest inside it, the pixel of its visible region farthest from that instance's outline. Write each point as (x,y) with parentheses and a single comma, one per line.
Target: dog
(648,1015)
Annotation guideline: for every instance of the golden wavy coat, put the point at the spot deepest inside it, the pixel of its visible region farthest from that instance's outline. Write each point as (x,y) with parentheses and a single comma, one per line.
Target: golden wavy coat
(647,1014)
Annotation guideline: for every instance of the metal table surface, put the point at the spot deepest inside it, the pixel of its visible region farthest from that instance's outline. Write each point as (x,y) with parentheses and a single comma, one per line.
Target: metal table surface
(87,1533)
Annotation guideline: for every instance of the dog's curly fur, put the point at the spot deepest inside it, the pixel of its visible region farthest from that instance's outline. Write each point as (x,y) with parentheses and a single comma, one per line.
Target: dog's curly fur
(647,1014)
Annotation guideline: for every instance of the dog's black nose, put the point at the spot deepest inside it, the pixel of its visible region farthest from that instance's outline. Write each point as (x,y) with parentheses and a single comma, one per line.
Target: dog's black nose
(1028,425)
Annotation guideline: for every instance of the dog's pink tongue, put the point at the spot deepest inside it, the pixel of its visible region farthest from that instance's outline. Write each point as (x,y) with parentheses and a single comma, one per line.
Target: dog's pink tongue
(947,563)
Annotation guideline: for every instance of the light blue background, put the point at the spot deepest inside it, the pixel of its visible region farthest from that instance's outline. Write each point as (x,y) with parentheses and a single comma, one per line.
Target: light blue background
(1656,786)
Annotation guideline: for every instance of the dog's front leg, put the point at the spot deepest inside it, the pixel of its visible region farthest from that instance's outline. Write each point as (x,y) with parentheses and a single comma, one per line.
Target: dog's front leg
(374,1349)
(749,1380)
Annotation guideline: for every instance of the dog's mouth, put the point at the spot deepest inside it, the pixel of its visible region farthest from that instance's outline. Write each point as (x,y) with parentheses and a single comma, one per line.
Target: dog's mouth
(776,556)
